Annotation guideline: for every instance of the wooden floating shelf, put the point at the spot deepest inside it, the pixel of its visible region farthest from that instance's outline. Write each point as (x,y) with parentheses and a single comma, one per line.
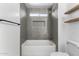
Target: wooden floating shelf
(72,10)
(72,20)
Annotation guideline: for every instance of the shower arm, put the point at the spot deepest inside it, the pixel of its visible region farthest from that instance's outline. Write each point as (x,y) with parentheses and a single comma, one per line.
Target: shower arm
(9,21)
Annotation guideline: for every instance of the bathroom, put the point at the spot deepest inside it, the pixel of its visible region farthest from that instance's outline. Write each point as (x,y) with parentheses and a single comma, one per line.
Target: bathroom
(39,29)
(61,29)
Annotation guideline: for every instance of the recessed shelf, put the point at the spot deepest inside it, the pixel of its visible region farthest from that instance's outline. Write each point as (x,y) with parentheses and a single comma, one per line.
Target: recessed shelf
(72,9)
(72,20)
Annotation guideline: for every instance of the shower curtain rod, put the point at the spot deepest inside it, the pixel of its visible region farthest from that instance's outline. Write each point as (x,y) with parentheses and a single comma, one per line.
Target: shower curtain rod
(9,21)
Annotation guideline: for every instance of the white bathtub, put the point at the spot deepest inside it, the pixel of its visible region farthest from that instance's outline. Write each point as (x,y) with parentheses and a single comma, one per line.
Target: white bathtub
(38,48)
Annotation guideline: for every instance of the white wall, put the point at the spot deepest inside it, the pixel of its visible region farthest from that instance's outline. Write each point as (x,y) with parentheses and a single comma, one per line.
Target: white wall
(74,27)
(62,27)
(9,33)
(9,11)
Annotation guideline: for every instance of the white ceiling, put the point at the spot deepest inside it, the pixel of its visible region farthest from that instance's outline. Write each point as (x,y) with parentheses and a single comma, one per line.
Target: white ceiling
(39,5)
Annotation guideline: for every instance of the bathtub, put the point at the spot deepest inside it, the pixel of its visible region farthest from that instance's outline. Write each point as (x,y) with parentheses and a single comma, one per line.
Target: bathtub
(38,48)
